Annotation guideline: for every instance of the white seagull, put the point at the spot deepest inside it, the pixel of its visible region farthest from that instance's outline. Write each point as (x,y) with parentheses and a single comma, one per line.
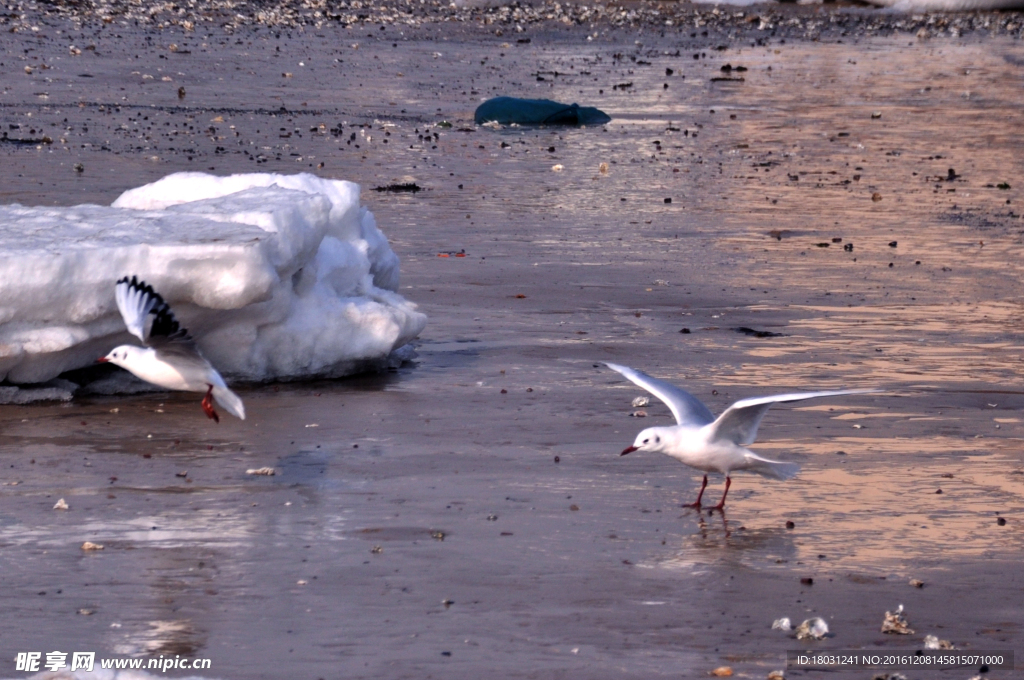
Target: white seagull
(709,444)
(170,358)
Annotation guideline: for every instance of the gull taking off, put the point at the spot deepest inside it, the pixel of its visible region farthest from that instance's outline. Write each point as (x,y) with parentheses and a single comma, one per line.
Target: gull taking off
(709,444)
(170,357)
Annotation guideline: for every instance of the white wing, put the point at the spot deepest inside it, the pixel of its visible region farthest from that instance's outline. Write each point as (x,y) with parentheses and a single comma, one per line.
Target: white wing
(687,408)
(146,314)
(739,422)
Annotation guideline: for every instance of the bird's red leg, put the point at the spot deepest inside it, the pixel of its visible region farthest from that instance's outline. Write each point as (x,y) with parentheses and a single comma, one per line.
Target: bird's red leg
(721,503)
(208,406)
(696,503)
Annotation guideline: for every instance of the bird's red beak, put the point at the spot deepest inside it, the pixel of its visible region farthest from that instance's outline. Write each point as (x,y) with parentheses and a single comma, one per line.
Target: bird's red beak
(102,360)
(628,449)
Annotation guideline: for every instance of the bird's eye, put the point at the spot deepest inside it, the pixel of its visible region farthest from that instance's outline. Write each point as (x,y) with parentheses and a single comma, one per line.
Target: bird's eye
(657,440)
(646,440)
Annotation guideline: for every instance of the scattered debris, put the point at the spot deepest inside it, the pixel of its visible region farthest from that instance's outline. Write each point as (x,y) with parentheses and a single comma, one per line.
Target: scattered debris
(756,333)
(782,624)
(437,535)
(61,505)
(406,187)
(812,629)
(376,550)
(4,139)
(896,624)
(265,471)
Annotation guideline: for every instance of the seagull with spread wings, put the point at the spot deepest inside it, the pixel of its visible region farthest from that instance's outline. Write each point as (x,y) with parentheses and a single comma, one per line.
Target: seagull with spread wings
(713,444)
(170,357)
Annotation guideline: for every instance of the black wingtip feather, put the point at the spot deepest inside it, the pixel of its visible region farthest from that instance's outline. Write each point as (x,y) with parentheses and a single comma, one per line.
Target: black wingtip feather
(164,323)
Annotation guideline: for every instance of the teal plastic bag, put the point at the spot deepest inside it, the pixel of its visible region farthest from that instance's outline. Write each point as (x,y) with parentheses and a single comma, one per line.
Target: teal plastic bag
(508,110)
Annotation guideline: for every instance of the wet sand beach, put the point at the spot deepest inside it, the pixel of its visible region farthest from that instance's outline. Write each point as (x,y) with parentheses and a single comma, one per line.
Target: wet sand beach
(787,198)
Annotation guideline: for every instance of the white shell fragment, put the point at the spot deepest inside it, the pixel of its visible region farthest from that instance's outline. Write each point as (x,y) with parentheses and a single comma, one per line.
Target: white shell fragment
(89,545)
(896,624)
(782,624)
(812,629)
(265,471)
(61,505)
(641,401)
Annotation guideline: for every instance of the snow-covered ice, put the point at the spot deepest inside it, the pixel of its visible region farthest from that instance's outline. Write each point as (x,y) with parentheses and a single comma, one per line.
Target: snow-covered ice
(278,277)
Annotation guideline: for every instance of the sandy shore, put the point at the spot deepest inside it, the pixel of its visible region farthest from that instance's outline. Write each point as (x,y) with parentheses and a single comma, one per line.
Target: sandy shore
(468,515)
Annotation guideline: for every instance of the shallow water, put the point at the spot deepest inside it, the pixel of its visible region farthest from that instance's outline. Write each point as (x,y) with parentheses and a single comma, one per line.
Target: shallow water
(455,482)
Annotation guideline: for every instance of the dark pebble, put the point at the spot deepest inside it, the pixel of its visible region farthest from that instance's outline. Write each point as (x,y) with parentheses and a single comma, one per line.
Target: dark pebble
(807,581)
(790,524)
(1001,521)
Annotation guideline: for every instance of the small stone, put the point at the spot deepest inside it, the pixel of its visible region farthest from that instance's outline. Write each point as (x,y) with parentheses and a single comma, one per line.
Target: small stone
(812,629)
(895,623)
(264,471)
(807,581)
(1001,521)
(61,505)
(876,197)
(782,624)
(933,642)
(89,545)
(917,583)
(790,524)
(376,550)
(721,672)
(641,401)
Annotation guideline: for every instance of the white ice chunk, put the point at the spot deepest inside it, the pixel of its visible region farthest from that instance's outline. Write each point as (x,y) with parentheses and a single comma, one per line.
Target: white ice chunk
(277,277)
